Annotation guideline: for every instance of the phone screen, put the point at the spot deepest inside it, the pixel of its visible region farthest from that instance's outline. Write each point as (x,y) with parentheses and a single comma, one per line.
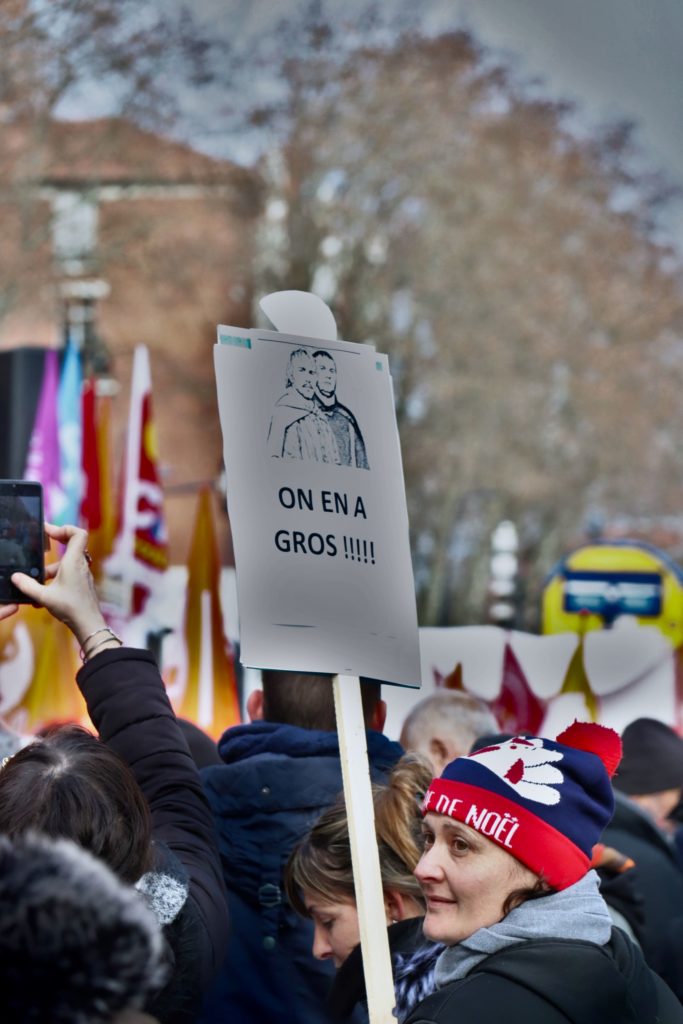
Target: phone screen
(21,535)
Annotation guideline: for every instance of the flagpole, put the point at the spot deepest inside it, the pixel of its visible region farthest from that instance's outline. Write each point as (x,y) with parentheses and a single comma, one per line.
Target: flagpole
(130,497)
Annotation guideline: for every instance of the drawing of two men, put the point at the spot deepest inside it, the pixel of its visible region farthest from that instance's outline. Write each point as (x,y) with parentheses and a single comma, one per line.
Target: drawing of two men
(308,421)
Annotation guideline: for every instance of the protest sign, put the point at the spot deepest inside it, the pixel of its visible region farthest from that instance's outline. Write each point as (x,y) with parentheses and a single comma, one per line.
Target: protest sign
(317,506)
(320,530)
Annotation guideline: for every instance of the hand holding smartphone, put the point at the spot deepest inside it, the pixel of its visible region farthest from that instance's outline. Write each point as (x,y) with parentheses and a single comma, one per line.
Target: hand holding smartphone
(22,532)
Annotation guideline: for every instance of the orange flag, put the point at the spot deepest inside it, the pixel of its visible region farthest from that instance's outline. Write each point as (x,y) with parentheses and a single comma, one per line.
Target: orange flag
(210,699)
(453,681)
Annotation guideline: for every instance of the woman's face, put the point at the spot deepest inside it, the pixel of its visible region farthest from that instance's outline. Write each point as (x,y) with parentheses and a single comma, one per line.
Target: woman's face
(336,930)
(466,879)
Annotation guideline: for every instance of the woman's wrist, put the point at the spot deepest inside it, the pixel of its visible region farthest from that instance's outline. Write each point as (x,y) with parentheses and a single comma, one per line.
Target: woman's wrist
(100,639)
(112,643)
(86,626)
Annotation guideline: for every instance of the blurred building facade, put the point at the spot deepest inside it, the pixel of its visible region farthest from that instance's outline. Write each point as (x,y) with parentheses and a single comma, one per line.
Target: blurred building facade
(115,236)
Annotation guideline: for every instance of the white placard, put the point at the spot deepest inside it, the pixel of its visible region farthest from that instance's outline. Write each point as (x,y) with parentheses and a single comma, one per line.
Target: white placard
(317,506)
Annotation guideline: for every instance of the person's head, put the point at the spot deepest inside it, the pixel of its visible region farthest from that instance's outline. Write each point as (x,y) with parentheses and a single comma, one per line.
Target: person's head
(651,770)
(76,945)
(71,785)
(306,699)
(202,748)
(443,726)
(326,368)
(301,372)
(319,875)
(511,822)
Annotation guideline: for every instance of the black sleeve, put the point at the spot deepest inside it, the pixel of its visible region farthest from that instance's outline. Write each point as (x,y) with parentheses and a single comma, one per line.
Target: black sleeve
(669,1010)
(128,705)
(486,999)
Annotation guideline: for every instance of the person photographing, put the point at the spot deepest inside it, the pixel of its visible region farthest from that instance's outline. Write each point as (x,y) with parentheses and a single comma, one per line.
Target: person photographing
(131,797)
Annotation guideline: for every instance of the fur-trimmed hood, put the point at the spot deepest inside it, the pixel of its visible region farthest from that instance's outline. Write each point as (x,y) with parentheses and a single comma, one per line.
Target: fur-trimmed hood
(77,946)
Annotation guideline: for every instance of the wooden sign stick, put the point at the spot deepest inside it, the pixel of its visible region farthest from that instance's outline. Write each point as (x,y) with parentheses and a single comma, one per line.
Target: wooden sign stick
(360,812)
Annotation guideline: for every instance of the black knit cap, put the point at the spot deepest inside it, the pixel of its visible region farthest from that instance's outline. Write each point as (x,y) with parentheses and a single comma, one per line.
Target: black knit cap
(653,758)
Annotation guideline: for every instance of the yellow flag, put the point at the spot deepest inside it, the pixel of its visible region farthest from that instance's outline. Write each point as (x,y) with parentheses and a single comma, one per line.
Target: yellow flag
(210,699)
(576,681)
(44,653)
(53,695)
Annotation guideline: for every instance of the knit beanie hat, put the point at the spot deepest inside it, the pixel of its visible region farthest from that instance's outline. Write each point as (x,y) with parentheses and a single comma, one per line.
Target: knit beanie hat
(546,802)
(653,758)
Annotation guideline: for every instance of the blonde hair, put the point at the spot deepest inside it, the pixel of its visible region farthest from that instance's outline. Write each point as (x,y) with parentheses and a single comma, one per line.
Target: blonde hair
(321,863)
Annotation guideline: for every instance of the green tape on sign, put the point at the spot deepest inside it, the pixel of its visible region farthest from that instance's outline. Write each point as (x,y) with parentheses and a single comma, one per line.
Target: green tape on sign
(378,366)
(233,339)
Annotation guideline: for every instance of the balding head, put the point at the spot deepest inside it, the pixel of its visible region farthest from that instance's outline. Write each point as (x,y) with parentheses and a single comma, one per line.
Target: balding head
(445,725)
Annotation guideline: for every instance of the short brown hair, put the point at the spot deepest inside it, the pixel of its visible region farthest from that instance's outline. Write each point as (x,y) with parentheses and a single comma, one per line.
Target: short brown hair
(69,784)
(306,699)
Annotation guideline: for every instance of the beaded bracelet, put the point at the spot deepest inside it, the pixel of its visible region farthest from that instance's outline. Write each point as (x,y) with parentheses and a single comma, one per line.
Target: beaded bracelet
(103,629)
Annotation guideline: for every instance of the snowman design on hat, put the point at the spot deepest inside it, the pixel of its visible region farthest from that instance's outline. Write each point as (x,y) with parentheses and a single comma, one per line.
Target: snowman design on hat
(526,766)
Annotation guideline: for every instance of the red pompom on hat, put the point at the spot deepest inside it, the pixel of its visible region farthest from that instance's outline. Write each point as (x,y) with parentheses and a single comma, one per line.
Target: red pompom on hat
(594,739)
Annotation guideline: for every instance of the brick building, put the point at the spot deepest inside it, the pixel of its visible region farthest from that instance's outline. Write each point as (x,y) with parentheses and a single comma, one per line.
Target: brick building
(124,237)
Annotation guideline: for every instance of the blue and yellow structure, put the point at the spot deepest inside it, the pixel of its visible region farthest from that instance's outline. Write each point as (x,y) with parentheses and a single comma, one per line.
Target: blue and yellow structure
(598,582)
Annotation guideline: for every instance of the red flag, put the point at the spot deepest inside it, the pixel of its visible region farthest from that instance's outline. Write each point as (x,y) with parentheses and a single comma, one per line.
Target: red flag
(210,698)
(91,509)
(141,549)
(98,515)
(517,707)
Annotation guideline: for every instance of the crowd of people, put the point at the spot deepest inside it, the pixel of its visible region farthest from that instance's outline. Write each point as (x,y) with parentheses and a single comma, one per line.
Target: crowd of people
(524,877)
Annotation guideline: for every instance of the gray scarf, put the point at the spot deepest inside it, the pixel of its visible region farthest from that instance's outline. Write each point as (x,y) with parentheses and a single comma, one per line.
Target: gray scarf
(578,912)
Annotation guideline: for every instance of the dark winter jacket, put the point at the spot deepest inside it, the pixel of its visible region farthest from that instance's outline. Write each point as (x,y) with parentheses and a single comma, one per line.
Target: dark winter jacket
(660,882)
(347,1000)
(127,703)
(274,783)
(555,981)
(622,894)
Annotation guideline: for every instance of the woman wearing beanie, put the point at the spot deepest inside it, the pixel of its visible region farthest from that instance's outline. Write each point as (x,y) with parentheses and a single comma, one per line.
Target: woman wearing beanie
(508,836)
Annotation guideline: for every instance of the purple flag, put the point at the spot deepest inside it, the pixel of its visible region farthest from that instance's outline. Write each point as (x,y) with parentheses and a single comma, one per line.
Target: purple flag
(42,462)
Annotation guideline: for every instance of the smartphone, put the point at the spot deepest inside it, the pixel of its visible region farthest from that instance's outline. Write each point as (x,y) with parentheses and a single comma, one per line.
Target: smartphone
(22,532)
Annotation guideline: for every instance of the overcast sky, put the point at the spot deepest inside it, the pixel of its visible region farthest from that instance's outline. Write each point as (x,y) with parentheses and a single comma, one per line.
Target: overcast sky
(616,57)
(619,57)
